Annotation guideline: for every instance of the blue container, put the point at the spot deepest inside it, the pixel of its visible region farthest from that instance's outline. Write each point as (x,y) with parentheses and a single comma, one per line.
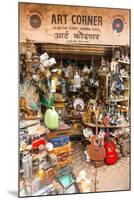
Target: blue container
(60,141)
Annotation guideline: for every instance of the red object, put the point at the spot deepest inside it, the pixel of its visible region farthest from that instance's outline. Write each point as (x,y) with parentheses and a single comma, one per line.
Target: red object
(111,154)
(36,143)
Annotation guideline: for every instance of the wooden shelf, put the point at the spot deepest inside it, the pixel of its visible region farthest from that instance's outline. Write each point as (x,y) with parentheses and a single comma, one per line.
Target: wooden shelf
(125,77)
(75,118)
(27,123)
(58,133)
(118,100)
(103,126)
(102,73)
(123,62)
(59,104)
(59,101)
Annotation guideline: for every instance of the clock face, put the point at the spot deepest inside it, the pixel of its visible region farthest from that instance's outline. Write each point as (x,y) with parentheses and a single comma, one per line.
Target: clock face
(35,21)
(118,25)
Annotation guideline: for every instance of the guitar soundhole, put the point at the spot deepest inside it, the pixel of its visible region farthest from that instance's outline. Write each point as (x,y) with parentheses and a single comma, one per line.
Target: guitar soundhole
(97,142)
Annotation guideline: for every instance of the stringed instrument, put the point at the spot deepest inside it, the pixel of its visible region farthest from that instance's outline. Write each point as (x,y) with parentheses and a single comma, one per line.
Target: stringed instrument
(96,150)
(111,154)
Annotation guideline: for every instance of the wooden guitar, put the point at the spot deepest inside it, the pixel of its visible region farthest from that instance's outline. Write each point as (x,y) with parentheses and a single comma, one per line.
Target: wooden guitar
(96,150)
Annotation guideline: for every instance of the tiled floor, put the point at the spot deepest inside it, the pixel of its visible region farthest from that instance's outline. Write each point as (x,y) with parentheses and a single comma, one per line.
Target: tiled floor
(108,178)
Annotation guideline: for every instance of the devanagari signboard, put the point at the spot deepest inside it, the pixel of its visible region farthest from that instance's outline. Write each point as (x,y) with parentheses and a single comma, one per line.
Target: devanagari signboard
(62,24)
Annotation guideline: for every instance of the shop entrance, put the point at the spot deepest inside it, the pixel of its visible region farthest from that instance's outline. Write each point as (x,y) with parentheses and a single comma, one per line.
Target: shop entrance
(73,100)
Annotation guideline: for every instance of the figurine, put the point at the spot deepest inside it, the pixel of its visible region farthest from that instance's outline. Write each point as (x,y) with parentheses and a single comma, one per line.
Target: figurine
(84,184)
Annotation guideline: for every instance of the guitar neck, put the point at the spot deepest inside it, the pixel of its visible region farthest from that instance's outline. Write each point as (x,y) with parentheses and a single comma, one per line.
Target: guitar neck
(96,120)
(96,127)
(108,134)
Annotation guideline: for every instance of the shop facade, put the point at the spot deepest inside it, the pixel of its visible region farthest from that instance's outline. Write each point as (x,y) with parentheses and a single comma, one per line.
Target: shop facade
(74,97)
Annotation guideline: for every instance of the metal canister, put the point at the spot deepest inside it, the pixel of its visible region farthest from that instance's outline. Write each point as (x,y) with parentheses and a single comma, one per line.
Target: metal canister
(27,166)
(64,87)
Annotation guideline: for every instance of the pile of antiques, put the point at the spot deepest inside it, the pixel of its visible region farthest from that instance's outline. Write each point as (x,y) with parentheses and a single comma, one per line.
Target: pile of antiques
(58,100)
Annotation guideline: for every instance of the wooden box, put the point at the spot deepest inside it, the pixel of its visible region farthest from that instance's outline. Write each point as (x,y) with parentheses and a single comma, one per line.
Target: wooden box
(60,150)
(62,164)
(98,163)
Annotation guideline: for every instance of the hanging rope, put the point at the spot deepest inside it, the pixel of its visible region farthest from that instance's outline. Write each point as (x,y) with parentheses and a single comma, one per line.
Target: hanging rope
(61,63)
(76,60)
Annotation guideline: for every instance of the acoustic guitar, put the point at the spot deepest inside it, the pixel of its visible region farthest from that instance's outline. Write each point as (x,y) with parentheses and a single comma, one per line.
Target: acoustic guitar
(96,150)
(111,154)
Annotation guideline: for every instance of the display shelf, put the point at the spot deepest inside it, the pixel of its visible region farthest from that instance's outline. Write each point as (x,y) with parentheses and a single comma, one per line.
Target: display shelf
(51,134)
(102,73)
(123,62)
(27,123)
(118,100)
(92,125)
(54,134)
(125,77)
(59,104)
(77,132)
(75,118)
(59,101)
(28,148)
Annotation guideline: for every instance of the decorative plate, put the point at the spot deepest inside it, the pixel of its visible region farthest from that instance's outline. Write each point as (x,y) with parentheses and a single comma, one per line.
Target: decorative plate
(77,102)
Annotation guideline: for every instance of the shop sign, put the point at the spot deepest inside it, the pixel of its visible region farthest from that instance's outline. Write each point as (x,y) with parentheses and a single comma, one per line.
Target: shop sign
(74,25)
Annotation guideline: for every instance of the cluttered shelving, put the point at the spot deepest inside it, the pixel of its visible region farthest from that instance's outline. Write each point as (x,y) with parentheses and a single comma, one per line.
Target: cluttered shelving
(62,100)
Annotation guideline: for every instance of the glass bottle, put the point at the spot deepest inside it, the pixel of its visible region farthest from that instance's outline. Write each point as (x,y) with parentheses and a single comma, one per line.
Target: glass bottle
(77,81)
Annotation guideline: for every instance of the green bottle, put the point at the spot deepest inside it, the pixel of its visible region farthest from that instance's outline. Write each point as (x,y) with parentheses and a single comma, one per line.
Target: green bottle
(51,118)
